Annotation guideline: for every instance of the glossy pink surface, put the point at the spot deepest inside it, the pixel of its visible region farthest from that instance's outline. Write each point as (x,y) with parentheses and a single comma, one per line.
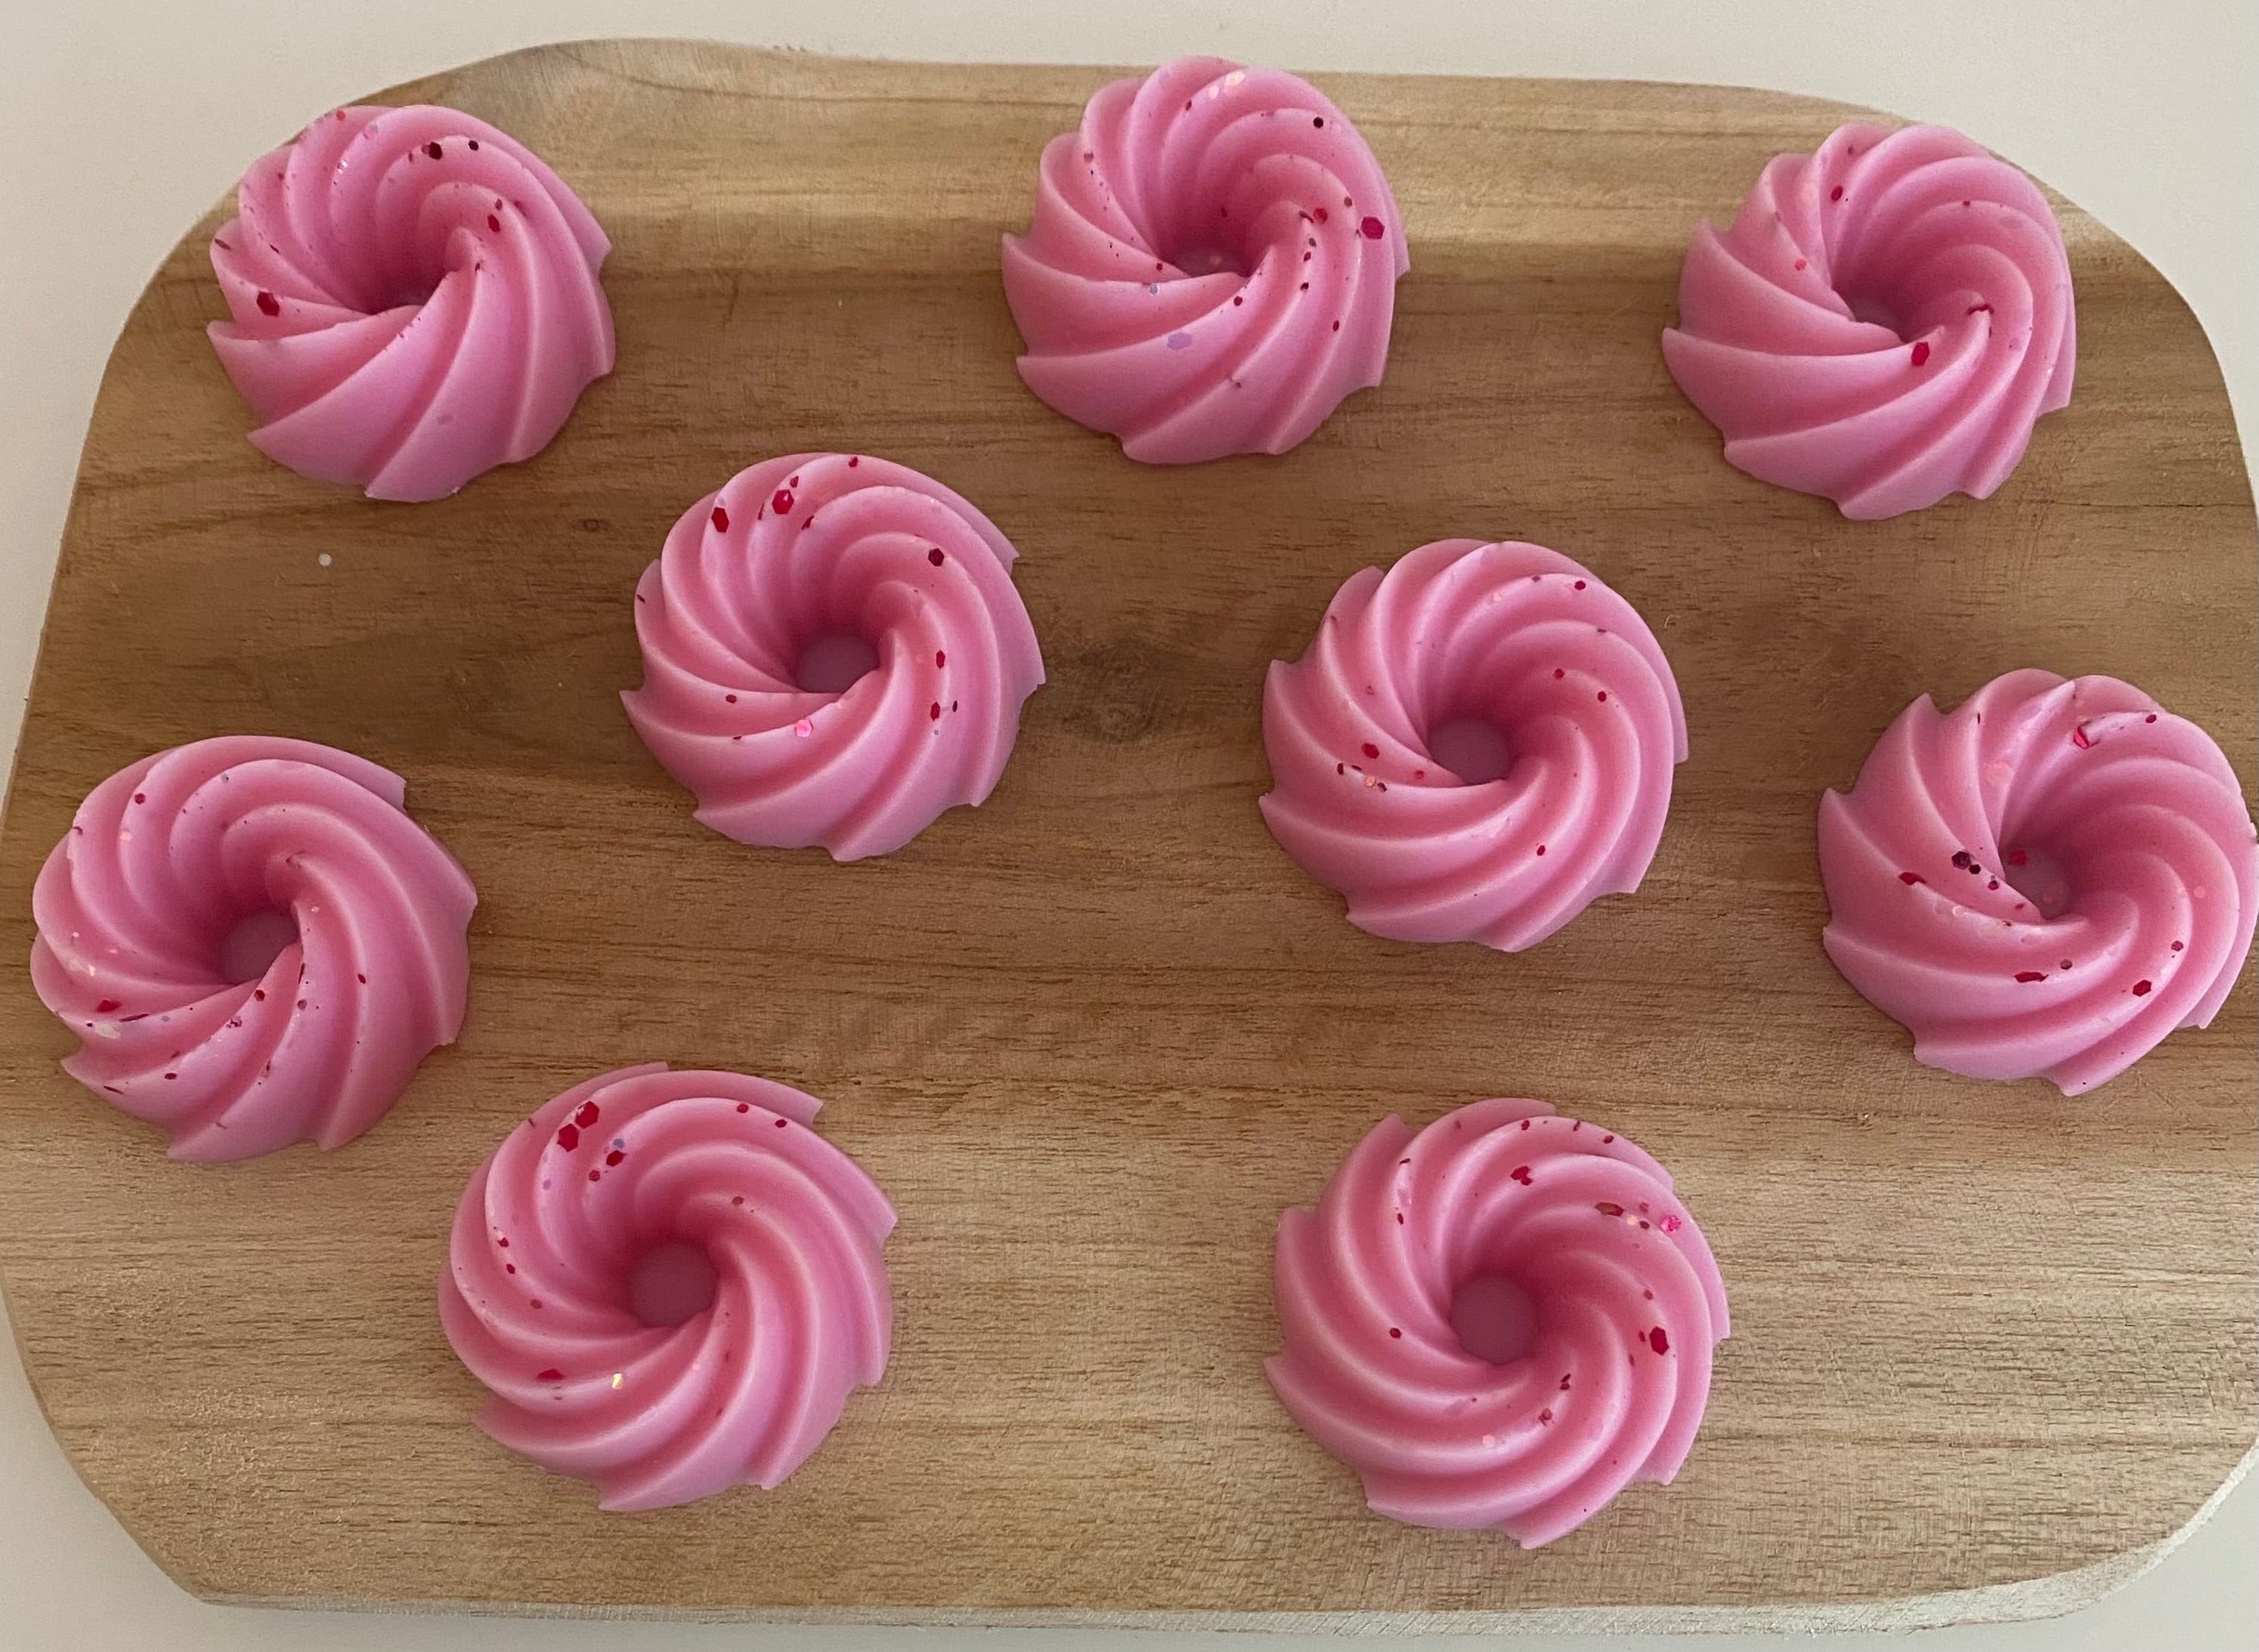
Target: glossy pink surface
(2046,882)
(1212,264)
(795,574)
(1627,1306)
(253,943)
(1512,647)
(414,301)
(540,1294)
(1883,322)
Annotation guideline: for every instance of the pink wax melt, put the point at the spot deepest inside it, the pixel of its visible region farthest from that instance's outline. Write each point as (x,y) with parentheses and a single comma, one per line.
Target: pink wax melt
(414,301)
(253,943)
(2047,882)
(833,653)
(1212,265)
(1502,1321)
(670,1284)
(1475,746)
(1884,321)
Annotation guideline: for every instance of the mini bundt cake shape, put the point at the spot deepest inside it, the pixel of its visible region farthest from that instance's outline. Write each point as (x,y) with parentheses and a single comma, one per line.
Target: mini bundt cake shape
(253,943)
(1883,322)
(670,1284)
(1212,264)
(1476,745)
(2046,882)
(413,300)
(833,653)
(1502,1321)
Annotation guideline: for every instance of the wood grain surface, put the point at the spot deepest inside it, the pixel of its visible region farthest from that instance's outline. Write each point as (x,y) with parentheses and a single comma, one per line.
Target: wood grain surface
(1095,1035)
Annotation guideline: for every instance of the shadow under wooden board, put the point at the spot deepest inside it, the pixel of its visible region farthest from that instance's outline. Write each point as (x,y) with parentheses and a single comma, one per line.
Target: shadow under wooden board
(1993,1349)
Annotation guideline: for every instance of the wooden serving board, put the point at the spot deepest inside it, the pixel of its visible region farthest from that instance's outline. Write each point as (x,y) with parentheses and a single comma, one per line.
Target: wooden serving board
(1993,1349)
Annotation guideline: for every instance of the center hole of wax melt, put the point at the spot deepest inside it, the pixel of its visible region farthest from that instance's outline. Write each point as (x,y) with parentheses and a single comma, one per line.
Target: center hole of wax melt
(1868,307)
(1495,1319)
(835,664)
(254,942)
(2038,876)
(670,1283)
(1471,748)
(1210,261)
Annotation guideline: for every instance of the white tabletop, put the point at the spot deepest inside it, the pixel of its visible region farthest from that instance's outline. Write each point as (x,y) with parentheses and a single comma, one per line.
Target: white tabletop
(121,120)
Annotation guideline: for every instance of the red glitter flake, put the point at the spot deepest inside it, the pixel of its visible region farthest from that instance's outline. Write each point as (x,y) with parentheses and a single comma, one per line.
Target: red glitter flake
(552,1374)
(614,1157)
(1392,1331)
(106,1005)
(2029,976)
(745,1106)
(940,657)
(596,1175)
(1669,1224)
(1604,695)
(1911,877)
(1370,750)
(853,460)
(1541,849)
(433,150)
(1580,585)
(1319,214)
(568,1137)
(934,556)
(2017,856)
(1607,1139)
(1520,1173)
(2152,718)
(269,305)
(1545,1416)
(586,1116)
(1658,1340)
(782,504)
(1372,229)
(1920,353)
(1799,263)
(2078,737)
(721,519)
(2140,989)
(933,711)
(2178,945)
(781,1124)
(1835,194)
(494,222)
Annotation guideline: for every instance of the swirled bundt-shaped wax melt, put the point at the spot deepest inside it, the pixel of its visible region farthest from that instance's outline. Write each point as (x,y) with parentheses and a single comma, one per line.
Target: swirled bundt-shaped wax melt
(1212,265)
(2046,882)
(414,301)
(670,1283)
(833,653)
(253,943)
(1884,321)
(1502,1321)
(1476,745)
